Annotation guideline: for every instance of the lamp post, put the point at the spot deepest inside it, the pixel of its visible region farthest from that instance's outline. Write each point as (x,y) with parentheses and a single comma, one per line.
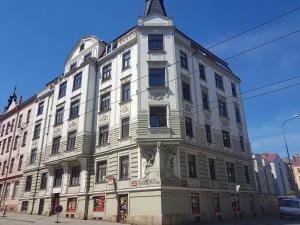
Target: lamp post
(288,153)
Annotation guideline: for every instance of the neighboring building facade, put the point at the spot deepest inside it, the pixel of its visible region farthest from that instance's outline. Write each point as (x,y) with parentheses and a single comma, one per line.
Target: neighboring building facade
(296,168)
(264,177)
(15,127)
(130,136)
(280,174)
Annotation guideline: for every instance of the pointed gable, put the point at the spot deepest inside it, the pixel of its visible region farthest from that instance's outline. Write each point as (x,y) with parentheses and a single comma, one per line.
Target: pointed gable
(155,7)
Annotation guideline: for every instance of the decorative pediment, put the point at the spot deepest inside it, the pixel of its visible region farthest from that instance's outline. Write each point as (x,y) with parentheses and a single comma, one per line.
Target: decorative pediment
(155,20)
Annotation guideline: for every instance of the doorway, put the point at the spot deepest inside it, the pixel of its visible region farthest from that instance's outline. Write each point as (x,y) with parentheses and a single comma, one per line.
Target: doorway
(41,206)
(54,203)
(122,208)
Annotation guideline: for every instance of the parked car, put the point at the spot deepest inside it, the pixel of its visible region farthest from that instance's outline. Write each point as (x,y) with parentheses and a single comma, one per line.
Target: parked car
(289,208)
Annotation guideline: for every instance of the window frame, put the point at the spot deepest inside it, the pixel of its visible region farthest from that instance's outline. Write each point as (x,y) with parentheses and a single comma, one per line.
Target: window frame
(192,166)
(219,82)
(155,42)
(223,112)
(202,72)
(62,90)
(106,72)
(126,60)
(77,81)
(105,102)
(184,62)
(208,133)
(125,133)
(55,145)
(28,183)
(40,109)
(59,116)
(74,109)
(124,176)
(71,141)
(230,172)
(75,175)
(226,139)
(157,77)
(186,91)
(101,169)
(126,92)
(103,135)
(151,117)
(44,181)
(188,127)
(212,169)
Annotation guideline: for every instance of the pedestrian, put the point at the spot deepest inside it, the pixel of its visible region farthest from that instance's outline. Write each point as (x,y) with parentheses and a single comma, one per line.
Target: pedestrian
(4,211)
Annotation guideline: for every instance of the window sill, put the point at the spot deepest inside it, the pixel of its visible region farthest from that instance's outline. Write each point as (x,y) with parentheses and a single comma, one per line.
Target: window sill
(125,139)
(161,88)
(58,124)
(103,145)
(58,186)
(35,138)
(60,97)
(70,150)
(54,154)
(77,88)
(125,102)
(104,111)
(74,185)
(105,80)
(73,118)
(157,51)
(125,68)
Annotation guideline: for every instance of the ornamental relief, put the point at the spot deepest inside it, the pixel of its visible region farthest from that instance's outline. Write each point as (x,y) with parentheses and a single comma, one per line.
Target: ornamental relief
(73,124)
(169,162)
(125,109)
(104,118)
(35,143)
(57,130)
(187,107)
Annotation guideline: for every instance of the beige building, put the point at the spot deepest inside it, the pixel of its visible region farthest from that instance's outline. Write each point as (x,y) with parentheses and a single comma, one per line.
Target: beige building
(15,127)
(296,168)
(146,129)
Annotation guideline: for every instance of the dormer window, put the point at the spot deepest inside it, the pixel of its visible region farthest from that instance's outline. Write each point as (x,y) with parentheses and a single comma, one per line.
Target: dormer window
(88,56)
(73,66)
(108,49)
(82,47)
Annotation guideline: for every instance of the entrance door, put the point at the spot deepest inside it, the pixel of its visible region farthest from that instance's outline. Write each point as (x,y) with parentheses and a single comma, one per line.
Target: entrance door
(41,206)
(122,208)
(54,203)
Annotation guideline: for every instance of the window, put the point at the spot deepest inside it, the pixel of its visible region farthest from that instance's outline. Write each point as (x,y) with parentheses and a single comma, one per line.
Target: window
(158,116)
(230,172)
(3,146)
(58,177)
(28,183)
(81,47)
(202,72)
(12,125)
(7,191)
(183,60)
(16,142)
(19,122)
(16,190)
(219,82)
(186,91)
(40,108)
(106,72)
(233,88)
(88,56)
(103,135)
(73,66)
(55,145)
(212,169)
(155,42)
(75,175)
(101,171)
(24,206)
(28,116)
(125,128)
(77,81)
(195,203)
(226,138)
(59,116)
(205,101)
(62,89)
(126,92)
(7,128)
(4,167)
(99,204)
(72,205)
(33,156)
(24,138)
(12,162)
(192,166)
(3,128)
(71,141)
(74,109)
(105,102)
(20,162)
(242,143)
(37,130)
(208,133)
(8,144)
(44,179)
(126,60)
(124,167)
(247,178)
(216,201)
(188,127)
(157,77)
(222,109)
(237,114)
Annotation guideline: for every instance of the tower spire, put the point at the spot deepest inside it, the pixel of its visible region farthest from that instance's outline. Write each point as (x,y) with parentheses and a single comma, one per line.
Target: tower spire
(155,7)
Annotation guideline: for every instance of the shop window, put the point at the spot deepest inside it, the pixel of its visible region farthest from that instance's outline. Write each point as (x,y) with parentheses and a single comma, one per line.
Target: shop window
(72,205)
(99,204)
(195,203)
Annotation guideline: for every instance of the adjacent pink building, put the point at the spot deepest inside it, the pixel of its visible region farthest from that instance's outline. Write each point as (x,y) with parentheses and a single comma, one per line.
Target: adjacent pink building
(15,127)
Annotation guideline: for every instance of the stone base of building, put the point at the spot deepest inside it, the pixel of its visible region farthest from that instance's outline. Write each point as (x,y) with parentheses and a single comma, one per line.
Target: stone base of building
(169,207)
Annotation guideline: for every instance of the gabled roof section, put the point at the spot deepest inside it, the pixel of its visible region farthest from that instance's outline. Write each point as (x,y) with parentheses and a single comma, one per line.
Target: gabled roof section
(90,38)
(155,7)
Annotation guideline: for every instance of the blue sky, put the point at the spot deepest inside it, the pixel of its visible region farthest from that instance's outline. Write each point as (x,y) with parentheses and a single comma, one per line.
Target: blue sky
(37,36)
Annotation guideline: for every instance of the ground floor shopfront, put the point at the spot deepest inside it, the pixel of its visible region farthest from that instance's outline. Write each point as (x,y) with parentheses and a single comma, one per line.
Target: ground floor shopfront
(156,206)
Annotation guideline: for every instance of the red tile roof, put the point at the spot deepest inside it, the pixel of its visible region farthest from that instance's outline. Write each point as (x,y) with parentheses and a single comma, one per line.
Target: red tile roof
(270,157)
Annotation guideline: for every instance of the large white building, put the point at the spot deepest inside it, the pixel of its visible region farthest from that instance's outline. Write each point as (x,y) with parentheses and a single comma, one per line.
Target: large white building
(147,129)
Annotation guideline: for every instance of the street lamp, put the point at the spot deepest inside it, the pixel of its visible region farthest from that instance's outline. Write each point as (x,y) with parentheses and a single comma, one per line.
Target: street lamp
(288,153)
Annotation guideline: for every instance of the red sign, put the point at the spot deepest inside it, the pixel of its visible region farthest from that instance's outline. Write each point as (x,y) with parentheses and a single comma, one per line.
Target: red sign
(99,204)
(134,183)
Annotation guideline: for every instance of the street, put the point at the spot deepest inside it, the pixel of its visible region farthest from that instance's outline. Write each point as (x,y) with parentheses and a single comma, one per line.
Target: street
(22,219)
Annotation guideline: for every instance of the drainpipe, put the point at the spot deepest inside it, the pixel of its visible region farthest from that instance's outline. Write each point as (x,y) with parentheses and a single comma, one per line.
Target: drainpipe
(40,157)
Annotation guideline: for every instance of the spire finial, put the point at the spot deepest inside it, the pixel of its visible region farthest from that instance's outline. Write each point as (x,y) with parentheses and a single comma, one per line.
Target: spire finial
(155,7)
